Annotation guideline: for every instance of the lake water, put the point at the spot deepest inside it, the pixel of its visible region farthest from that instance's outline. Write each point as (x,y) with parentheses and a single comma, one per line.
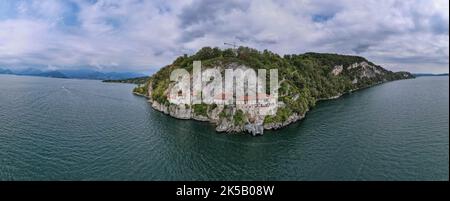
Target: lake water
(61,129)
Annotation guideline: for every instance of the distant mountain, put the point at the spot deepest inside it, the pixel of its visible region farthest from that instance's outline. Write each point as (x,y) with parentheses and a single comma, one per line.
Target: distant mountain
(96,75)
(28,71)
(74,74)
(54,74)
(137,80)
(430,74)
(5,71)
(122,75)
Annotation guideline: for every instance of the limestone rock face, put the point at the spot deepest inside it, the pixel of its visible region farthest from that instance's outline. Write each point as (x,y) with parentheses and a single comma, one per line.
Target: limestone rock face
(180,111)
(364,70)
(337,70)
(200,118)
(228,126)
(224,126)
(160,107)
(214,114)
(254,129)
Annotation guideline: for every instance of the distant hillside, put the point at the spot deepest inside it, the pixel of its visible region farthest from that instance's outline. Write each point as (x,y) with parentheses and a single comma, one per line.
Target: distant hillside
(96,75)
(73,74)
(137,80)
(429,74)
(54,74)
(27,71)
(5,71)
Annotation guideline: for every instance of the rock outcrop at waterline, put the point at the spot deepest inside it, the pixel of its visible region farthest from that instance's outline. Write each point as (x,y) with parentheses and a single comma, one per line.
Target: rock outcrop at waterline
(304,80)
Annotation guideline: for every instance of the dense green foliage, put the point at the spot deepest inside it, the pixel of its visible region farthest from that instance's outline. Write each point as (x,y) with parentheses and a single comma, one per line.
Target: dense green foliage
(200,109)
(281,116)
(239,118)
(139,90)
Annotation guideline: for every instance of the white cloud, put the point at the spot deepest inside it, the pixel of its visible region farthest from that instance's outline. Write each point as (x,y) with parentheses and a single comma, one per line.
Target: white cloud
(144,35)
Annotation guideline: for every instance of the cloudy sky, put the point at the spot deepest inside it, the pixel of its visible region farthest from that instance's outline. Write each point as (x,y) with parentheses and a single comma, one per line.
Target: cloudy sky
(142,36)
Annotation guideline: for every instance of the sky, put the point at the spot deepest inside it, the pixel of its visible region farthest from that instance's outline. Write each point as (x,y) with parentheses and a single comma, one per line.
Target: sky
(143,36)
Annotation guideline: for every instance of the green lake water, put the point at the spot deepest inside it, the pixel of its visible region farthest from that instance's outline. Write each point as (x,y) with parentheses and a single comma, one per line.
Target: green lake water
(62,129)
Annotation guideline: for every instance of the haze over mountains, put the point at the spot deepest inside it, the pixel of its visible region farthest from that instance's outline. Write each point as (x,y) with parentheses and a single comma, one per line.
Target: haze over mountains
(74,74)
(429,74)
